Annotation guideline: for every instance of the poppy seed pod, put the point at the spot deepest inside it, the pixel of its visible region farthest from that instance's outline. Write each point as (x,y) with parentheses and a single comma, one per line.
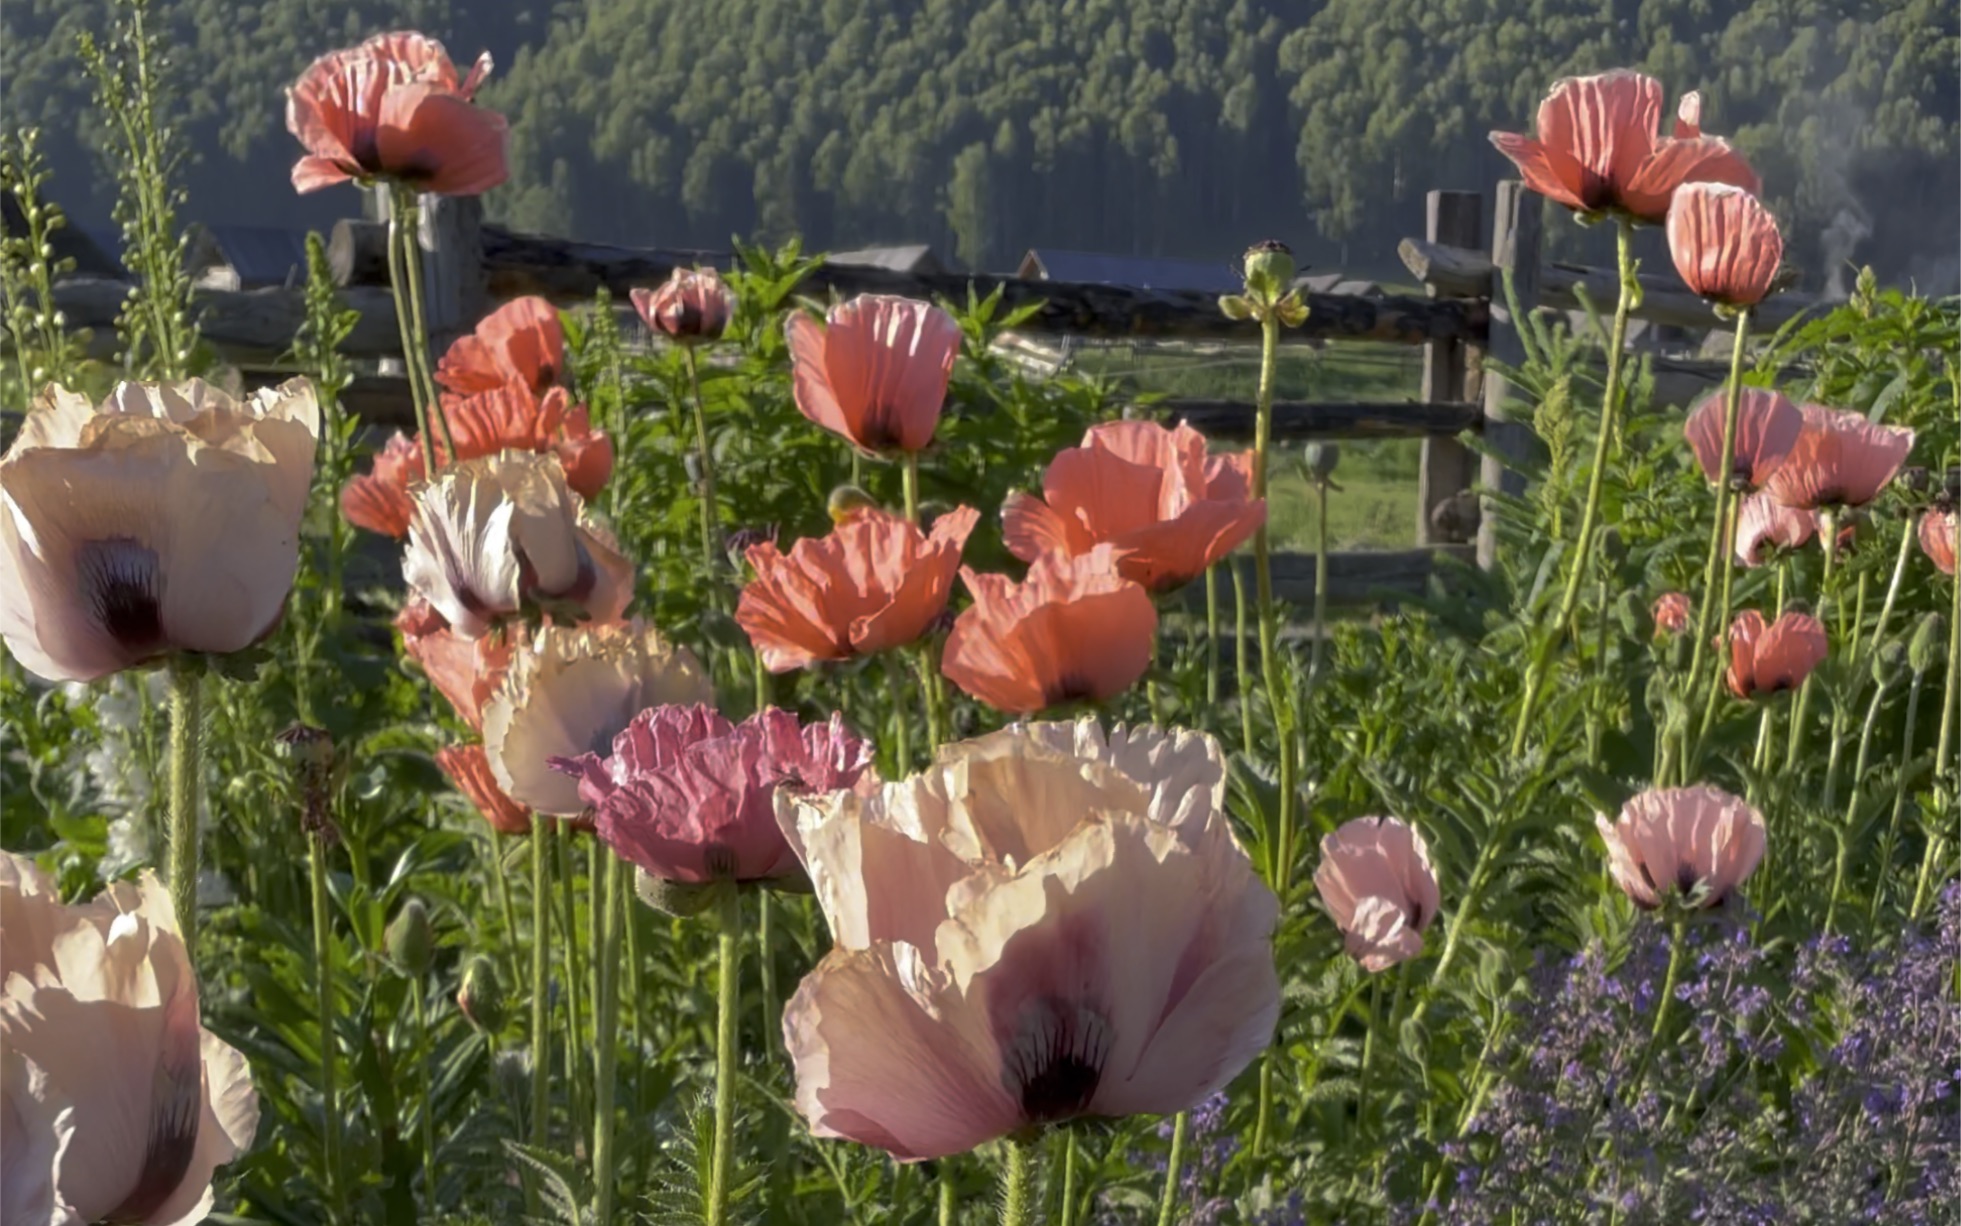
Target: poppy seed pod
(1320,459)
(1269,268)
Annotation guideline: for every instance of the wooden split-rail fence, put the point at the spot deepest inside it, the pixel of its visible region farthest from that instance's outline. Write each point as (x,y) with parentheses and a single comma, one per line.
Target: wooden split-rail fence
(1461,321)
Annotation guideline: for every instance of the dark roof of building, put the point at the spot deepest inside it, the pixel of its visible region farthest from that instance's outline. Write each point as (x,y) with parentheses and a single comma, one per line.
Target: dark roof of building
(260,255)
(897,257)
(1139,271)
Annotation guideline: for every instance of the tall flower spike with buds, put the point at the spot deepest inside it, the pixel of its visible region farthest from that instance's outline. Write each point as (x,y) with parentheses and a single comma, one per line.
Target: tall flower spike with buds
(165,519)
(394,108)
(1698,843)
(1599,148)
(115,1104)
(1043,926)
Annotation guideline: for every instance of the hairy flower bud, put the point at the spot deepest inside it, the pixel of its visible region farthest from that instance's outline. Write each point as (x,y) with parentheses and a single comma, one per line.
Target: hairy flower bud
(481,997)
(411,940)
(1887,662)
(1924,648)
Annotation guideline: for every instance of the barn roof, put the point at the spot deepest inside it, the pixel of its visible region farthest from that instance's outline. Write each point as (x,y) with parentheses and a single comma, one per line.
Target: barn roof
(260,255)
(897,257)
(1139,271)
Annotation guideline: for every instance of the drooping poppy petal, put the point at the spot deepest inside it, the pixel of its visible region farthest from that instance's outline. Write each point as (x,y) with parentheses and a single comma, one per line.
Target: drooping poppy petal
(1376,881)
(1724,242)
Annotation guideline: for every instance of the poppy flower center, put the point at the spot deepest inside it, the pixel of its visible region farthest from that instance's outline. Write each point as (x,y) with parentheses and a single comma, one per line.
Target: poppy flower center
(881,428)
(1056,1060)
(121,578)
(174,1114)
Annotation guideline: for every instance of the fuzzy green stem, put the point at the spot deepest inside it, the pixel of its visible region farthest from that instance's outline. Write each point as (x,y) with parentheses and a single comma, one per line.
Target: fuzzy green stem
(568,919)
(418,356)
(1899,803)
(1596,481)
(1263,1111)
(1211,638)
(1068,1217)
(323,1000)
(1368,1056)
(1678,931)
(186,779)
(925,656)
(398,283)
(540,974)
(1277,697)
(1473,892)
(1320,580)
(1722,526)
(910,479)
(946,1191)
(1245,668)
(1944,765)
(710,513)
(416,995)
(1018,1182)
(1828,539)
(606,1034)
(1852,805)
(729,962)
(1181,1128)
(767,964)
(901,717)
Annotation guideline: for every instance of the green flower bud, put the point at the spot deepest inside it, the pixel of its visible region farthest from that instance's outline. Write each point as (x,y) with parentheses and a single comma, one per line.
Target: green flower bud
(1887,662)
(1269,269)
(481,997)
(1924,648)
(1321,459)
(411,940)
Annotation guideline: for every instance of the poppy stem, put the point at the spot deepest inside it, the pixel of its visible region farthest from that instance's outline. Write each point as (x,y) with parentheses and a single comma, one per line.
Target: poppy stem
(946,1191)
(1278,699)
(729,949)
(1852,804)
(1722,553)
(901,716)
(1068,1217)
(323,998)
(186,778)
(766,963)
(540,1000)
(1320,581)
(1244,668)
(1678,931)
(1017,1181)
(1181,1127)
(1944,766)
(399,271)
(568,917)
(412,262)
(1828,539)
(710,513)
(911,486)
(927,656)
(421,1010)
(1596,481)
(606,1034)
(1212,637)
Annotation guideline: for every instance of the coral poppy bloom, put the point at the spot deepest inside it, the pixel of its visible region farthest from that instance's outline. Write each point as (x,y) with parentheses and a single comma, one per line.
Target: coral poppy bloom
(1170,510)
(1765,522)
(521,342)
(1724,243)
(465,671)
(571,691)
(1042,926)
(116,1105)
(164,519)
(1376,881)
(510,417)
(1767,660)
(469,769)
(1671,613)
(1767,428)
(688,796)
(690,307)
(876,372)
(1074,629)
(378,500)
(487,535)
(1839,460)
(876,582)
(1599,151)
(393,108)
(1937,529)
(1698,842)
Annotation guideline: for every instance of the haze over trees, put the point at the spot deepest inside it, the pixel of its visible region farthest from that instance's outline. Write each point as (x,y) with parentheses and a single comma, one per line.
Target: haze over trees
(1177,127)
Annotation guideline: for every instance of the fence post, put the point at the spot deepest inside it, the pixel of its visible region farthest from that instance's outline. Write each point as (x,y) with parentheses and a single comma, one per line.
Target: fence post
(1452,218)
(1516,234)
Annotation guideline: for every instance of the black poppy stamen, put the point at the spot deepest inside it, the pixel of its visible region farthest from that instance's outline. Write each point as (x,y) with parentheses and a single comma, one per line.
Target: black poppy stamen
(1056,1060)
(121,578)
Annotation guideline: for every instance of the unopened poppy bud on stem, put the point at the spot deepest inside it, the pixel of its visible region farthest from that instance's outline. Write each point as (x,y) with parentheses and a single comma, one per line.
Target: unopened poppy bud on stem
(411,940)
(481,996)
(848,500)
(1924,648)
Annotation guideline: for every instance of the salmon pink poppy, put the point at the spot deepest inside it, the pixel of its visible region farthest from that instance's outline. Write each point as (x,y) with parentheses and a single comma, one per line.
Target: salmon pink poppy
(1671,613)
(692,306)
(1699,843)
(1839,460)
(1074,629)
(521,342)
(1599,149)
(469,769)
(876,582)
(511,417)
(1724,243)
(378,500)
(1766,523)
(393,108)
(688,796)
(1043,926)
(1767,428)
(1770,659)
(1937,529)
(1170,510)
(1376,881)
(465,671)
(875,373)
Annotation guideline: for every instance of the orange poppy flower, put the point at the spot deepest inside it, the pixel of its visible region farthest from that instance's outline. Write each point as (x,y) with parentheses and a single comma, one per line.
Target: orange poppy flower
(1937,529)
(1766,660)
(692,306)
(1074,629)
(1169,509)
(469,769)
(393,108)
(1839,460)
(378,499)
(511,417)
(1724,243)
(1599,150)
(876,371)
(522,341)
(465,671)
(875,582)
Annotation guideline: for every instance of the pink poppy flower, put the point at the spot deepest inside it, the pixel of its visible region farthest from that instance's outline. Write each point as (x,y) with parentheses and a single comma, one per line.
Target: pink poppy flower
(1769,660)
(1074,629)
(876,372)
(1839,460)
(1671,612)
(1599,149)
(692,306)
(510,417)
(1169,509)
(1937,529)
(1376,881)
(1724,243)
(1767,428)
(1699,842)
(1765,523)
(465,671)
(393,108)
(378,500)
(876,582)
(521,342)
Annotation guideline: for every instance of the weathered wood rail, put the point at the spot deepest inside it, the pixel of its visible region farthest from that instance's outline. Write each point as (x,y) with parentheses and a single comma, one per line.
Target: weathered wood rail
(469,266)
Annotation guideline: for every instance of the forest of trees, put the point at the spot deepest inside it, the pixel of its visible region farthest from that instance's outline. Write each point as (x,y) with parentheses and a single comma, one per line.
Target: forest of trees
(1173,127)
